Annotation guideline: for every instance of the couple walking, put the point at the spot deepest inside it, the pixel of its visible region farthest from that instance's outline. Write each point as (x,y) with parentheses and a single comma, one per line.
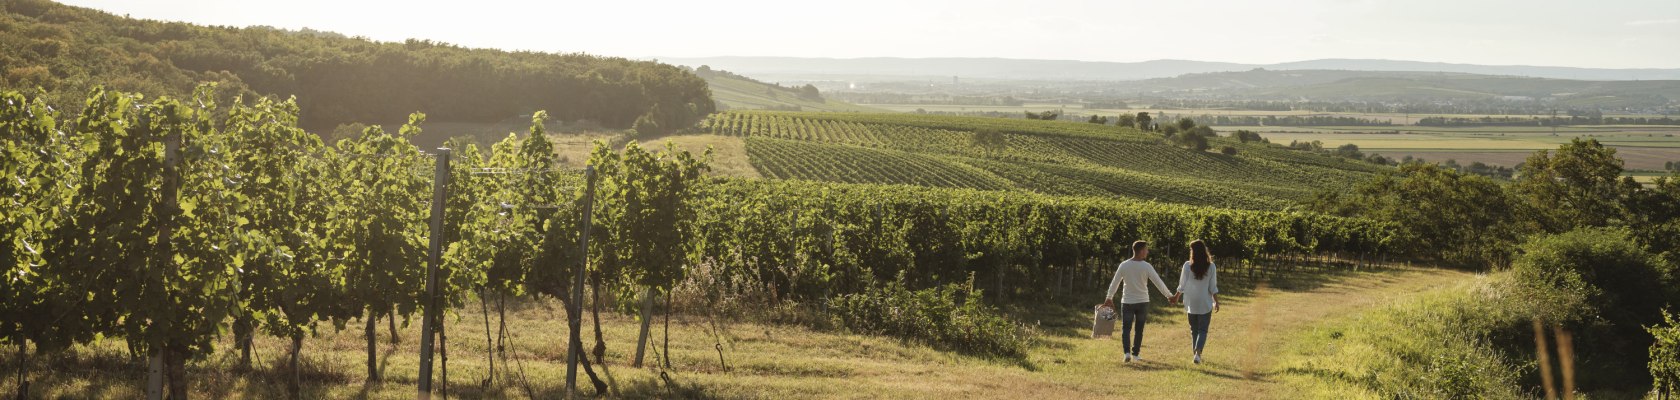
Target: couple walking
(1198,289)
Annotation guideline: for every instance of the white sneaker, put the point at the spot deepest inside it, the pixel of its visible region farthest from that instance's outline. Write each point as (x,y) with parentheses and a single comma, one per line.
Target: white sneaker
(1198,358)
(1128,357)
(1137,358)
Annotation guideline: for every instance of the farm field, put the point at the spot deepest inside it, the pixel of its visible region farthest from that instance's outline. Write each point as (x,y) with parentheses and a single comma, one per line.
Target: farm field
(1641,147)
(1051,157)
(1079,110)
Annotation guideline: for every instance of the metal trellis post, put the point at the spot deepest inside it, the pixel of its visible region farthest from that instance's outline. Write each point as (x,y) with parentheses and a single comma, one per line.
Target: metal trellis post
(576,322)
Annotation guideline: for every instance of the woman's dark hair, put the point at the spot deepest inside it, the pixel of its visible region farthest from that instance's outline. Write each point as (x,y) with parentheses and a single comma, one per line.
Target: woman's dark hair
(1199,259)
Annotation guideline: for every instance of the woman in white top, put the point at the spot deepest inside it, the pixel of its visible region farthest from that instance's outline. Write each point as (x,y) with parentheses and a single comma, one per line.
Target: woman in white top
(1198,288)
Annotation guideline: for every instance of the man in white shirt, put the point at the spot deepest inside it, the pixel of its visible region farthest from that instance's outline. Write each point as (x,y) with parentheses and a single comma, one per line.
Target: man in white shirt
(1134,300)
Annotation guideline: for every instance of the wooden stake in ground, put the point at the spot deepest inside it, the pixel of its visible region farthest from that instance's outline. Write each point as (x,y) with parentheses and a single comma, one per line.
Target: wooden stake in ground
(1566,359)
(372,346)
(295,386)
(600,351)
(647,314)
(23,369)
(667,341)
(489,350)
(1545,360)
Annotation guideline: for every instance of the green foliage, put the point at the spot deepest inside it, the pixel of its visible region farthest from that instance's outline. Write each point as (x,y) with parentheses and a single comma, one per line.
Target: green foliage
(990,139)
(1665,356)
(1246,136)
(1616,278)
(1601,284)
(810,92)
(290,280)
(1578,185)
(1460,219)
(36,164)
(806,241)
(1126,120)
(1349,150)
(67,50)
(645,211)
(1047,115)
(951,316)
(377,228)
(1654,216)
(1188,139)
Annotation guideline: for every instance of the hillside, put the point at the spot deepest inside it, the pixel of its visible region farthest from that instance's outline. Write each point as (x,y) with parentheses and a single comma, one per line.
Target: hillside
(736,92)
(1051,157)
(1480,87)
(1332,85)
(890,68)
(68,50)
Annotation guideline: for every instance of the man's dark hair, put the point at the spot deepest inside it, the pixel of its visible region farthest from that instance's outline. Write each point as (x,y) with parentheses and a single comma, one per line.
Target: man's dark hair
(1139,246)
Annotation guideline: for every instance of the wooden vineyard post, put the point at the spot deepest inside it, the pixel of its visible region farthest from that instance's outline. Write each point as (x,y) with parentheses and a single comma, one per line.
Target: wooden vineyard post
(440,188)
(171,193)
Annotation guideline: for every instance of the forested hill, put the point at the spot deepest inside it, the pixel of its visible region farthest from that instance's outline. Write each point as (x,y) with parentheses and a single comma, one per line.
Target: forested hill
(67,50)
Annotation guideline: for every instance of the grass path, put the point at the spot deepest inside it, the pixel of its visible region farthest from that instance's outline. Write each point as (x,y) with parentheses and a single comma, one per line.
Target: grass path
(784,361)
(1243,346)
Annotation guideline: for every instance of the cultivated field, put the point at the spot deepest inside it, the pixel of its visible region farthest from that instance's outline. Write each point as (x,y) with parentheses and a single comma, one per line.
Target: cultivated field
(1641,147)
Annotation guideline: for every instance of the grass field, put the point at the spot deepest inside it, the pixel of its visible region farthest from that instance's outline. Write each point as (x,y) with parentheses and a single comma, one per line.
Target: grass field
(729,154)
(739,94)
(1640,147)
(1249,340)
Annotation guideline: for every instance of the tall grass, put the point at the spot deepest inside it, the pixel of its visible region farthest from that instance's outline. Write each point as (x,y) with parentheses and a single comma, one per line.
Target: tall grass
(1438,344)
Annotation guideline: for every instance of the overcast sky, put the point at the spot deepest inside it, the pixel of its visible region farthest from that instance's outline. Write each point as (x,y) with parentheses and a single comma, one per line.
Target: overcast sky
(1601,34)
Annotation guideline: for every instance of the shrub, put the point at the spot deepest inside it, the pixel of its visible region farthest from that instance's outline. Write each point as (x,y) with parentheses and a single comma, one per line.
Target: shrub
(1228,150)
(1604,268)
(950,316)
(1600,284)
(1665,357)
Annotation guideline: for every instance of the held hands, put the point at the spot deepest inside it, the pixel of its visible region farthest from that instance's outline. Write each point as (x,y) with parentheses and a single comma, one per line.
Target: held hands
(1175,298)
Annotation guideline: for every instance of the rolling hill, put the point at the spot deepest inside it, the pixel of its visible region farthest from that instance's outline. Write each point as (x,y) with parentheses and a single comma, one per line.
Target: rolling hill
(66,51)
(890,68)
(736,92)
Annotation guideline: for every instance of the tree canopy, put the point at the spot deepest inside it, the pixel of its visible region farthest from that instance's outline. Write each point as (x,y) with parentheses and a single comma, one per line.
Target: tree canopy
(67,51)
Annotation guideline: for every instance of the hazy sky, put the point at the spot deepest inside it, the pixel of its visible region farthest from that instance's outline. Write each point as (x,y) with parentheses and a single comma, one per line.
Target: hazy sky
(1603,33)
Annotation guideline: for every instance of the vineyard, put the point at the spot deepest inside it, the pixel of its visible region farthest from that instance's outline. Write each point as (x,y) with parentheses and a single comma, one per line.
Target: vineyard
(1050,157)
(166,223)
